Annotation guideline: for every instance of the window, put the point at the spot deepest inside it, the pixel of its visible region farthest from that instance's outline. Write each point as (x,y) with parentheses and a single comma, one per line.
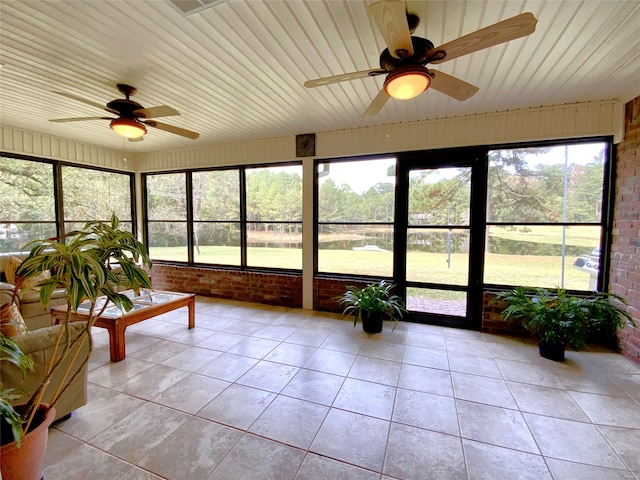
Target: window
(28,207)
(240,217)
(216,214)
(274,217)
(110,193)
(355,217)
(167,216)
(31,189)
(544,211)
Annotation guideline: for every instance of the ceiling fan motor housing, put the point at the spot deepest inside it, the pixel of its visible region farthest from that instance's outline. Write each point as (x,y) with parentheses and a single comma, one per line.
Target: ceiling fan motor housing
(421,47)
(125,107)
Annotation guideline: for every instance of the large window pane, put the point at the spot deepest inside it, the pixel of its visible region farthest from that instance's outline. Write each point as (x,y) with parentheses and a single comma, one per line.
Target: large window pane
(110,193)
(27,209)
(546,184)
(216,195)
(360,191)
(540,203)
(167,214)
(438,256)
(355,217)
(439,196)
(276,245)
(356,249)
(542,256)
(217,243)
(274,217)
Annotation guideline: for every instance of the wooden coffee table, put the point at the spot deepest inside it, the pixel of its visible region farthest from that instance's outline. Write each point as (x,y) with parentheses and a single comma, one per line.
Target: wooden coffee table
(148,304)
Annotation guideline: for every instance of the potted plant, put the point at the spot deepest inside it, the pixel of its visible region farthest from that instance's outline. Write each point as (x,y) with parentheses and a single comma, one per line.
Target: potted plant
(559,319)
(82,262)
(372,304)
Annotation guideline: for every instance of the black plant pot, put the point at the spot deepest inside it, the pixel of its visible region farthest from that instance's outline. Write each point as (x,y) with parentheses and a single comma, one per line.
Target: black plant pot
(551,350)
(372,322)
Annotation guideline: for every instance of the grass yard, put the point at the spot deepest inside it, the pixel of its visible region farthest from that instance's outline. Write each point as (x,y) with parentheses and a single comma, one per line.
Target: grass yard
(421,266)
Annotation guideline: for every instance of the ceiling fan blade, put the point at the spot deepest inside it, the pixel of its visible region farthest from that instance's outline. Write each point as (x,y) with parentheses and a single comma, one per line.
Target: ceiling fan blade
(452,86)
(155,112)
(510,29)
(78,119)
(391,18)
(318,82)
(376,105)
(88,102)
(171,129)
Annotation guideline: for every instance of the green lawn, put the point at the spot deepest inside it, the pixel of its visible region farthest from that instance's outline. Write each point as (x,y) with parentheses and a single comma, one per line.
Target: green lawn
(588,237)
(421,266)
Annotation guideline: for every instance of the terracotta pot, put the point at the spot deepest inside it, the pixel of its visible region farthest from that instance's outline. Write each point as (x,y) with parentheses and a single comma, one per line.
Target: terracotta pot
(25,463)
(372,322)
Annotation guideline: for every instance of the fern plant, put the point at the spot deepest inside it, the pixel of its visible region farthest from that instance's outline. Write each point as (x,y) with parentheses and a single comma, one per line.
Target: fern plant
(375,298)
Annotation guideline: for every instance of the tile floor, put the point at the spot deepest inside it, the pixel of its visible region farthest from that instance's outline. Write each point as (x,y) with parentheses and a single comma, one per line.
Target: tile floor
(257,392)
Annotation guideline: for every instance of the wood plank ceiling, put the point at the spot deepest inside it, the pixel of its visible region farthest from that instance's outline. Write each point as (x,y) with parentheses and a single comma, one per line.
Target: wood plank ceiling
(235,70)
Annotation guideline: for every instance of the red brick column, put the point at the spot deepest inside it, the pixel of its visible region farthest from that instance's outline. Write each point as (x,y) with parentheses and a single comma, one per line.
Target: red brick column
(625,252)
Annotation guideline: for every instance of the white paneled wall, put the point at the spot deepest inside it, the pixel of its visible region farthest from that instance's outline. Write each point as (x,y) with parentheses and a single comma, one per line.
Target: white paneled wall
(555,122)
(38,145)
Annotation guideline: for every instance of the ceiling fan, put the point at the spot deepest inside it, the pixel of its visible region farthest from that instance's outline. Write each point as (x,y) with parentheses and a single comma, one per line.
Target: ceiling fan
(404,59)
(132,118)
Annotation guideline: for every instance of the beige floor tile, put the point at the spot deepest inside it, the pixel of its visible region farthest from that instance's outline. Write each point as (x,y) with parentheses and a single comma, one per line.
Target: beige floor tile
(625,441)
(474,364)
(268,376)
(552,402)
(563,470)
(572,441)
(192,336)
(466,345)
(105,407)
(491,391)
(291,354)
(425,410)
(419,454)
(316,467)
(243,327)
(426,357)
(253,458)
(586,380)
(532,374)
(423,379)
(630,383)
(368,398)
(607,410)
(222,341)
(383,350)
(353,438)
(192,451)
(159,351)
(136,434)
(192,359)
(489,462)
(275,332)
(330,361)
(495,425)
(191,393)
(238,406)
(291,421)
(254,347)
(343,343)
(375,370)
(86,462)
(152,381)
(307,336)
(426,340)
(228,366)
(314,386)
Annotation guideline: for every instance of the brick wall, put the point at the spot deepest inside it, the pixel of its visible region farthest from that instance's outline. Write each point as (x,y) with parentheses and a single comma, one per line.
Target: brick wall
(625,261)
(272,289)
(325,290)
(492,317)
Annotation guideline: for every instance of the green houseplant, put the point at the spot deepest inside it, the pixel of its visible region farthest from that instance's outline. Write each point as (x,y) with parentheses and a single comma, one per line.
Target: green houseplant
(559,319)
(98,261)
(372,304)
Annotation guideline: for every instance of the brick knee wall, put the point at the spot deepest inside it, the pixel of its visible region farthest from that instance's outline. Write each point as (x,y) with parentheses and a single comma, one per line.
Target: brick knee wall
(625,250)
(268,288)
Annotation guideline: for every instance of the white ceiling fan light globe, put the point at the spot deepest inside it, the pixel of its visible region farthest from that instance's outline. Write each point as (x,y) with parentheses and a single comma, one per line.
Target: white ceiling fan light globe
(408,82)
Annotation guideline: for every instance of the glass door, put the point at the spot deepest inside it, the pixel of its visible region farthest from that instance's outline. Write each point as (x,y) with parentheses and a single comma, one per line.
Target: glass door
(436,271)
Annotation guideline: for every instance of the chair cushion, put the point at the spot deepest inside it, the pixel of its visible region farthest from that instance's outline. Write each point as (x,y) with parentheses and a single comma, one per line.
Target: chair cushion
(11,322)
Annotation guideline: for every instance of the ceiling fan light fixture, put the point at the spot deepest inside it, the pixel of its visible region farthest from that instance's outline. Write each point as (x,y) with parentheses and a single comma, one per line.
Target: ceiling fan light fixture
(128,127)
(407,82)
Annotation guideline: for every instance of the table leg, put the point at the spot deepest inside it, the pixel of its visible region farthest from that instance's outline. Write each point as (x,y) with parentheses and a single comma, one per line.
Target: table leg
(192,313)
(116,342)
